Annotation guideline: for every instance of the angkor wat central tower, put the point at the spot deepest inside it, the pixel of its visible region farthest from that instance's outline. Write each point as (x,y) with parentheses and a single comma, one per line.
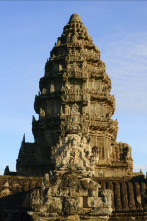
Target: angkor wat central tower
(75,107)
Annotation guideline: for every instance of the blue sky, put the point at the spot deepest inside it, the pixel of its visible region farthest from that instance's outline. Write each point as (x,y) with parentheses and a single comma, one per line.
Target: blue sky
(29,30)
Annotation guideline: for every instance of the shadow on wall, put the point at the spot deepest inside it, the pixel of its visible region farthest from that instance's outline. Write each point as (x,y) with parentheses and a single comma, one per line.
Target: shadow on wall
(14,207)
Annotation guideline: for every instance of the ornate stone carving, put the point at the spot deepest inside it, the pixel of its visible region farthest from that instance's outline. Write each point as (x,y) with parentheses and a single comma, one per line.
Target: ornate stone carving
(44,91)
(42,112)
(74,151)
(5,189)
(77,104)
(75,143)
(71,194)
(52,88)
(74,109)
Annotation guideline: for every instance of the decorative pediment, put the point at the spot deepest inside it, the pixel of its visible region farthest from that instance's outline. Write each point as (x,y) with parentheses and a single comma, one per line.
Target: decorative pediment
(74,150)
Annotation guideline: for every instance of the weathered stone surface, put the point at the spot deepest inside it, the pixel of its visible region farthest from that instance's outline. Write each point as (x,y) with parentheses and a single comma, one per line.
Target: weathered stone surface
(88,175)
(75,109)
(19,201)
(71,194)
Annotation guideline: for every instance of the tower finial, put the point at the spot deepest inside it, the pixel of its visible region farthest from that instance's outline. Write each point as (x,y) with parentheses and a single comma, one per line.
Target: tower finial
(23,138)
(75,17)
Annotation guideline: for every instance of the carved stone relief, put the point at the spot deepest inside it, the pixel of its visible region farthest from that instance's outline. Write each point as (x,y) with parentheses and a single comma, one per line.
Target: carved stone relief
(71,194)
(52,88)
(42,112)
(74,109)
(44,91)
(78,102)
(74,150)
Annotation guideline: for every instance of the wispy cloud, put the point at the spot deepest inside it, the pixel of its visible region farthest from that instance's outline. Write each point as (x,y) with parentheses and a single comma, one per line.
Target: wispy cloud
(126,57)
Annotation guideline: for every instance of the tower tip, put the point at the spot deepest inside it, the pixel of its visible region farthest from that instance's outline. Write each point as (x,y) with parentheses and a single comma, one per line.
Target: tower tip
(75,17)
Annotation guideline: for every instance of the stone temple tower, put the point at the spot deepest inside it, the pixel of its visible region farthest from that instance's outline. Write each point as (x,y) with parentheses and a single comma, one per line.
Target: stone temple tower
(75,126)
